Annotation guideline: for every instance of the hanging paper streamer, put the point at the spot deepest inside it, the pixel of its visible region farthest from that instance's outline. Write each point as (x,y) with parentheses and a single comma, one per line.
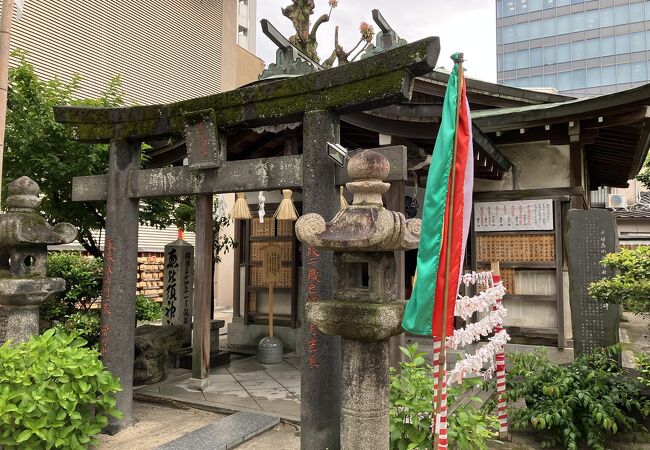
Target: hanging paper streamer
(241,210)
(220,207)
(260,209)
(472,364)
(466,306)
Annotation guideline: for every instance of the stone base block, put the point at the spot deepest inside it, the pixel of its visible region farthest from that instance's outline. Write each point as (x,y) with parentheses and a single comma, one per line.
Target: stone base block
(243,335)
(198,384)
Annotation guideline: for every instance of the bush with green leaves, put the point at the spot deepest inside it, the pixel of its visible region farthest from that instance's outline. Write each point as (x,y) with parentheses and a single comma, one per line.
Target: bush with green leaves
(147,310)
(412,409)
(83,283)
(85,324)
(54,393)
(579,403)
(630,286)
(643,366)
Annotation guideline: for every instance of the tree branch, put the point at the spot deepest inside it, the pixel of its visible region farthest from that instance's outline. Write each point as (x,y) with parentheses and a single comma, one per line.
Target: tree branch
(322,19)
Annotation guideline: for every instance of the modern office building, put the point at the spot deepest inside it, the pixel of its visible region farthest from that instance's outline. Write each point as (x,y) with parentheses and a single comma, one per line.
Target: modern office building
(577,47)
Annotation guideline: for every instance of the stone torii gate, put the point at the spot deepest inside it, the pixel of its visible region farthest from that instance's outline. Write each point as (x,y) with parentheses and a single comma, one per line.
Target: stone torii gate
(318,99)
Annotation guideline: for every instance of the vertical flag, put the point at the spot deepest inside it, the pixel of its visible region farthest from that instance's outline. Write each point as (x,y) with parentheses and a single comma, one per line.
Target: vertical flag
(445,224)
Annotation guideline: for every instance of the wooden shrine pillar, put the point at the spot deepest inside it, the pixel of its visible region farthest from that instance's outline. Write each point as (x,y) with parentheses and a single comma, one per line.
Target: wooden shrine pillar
(321,353)
(202,293)
(117,335)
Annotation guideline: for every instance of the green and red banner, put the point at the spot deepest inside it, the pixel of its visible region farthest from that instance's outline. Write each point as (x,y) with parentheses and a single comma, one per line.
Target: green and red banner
(446,216)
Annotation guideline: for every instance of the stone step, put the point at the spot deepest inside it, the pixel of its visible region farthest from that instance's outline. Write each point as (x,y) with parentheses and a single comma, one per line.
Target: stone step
(224,434)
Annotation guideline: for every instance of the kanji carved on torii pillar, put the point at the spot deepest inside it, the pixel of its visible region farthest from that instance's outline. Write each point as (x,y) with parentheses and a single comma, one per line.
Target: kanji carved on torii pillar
(317,99)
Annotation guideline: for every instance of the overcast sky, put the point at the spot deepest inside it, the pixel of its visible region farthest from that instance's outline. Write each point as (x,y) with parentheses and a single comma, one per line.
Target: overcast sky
(463,26)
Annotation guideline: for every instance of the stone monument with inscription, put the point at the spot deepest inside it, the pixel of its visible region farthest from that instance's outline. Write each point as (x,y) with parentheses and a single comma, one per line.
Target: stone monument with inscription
(365,310)
(592,234)
(24,237)
(178,285)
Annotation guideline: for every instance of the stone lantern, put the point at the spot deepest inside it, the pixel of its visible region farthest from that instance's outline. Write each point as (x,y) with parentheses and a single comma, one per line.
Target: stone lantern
(24,237)
(365,310)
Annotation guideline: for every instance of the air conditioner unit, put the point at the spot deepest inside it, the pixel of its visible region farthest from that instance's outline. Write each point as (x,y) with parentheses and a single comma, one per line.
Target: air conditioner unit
(616,201)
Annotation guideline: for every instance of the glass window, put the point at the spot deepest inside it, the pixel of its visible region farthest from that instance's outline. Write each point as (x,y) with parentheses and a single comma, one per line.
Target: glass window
(637,41)
(577,22)
(522,6)
(521,31)
(522,59)
(607,17)
(608,75)
(563,24)
(550,56)
(548,4)
(499,6)
(509,61)
(535,5)
(509,8)
(549,27)
(536,81)
(647,9)
(622,44)
(593,77)
(536,58)
(637,12)
(577,2)
(508,34)
(500,62)
(591,19)
(511,82)
(563,53)
(639,71)
(563,2)
(623,73)
(592,48)
(564,81)
(499,41)
(578,50)
(622,15)
(578,79)
(607,46)
(522,82)
(550,80)
(535,29)
(647,39)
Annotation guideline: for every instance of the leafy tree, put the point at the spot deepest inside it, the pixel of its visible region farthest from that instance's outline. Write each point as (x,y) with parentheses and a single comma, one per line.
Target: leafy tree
(36,146)
(630,287)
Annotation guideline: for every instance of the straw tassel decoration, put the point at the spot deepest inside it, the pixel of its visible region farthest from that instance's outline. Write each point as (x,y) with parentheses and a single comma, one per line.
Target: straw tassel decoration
(286,210)
(261,202)
(241,210)
(343,202)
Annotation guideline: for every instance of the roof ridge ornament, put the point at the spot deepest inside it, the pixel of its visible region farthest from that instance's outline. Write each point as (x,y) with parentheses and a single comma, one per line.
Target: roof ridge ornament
(289,59)
(386,39)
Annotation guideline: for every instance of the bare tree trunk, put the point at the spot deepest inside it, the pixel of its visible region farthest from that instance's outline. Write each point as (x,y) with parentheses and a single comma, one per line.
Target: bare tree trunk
(5,36)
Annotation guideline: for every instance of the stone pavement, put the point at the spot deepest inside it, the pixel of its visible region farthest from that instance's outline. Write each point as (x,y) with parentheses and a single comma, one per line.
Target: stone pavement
(242,385)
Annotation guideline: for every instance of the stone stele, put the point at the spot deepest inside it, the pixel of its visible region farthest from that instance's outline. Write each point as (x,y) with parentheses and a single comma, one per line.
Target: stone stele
(365,310)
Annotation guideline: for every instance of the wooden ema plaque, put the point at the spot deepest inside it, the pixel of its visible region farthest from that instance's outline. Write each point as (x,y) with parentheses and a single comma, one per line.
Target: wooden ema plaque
(271,273)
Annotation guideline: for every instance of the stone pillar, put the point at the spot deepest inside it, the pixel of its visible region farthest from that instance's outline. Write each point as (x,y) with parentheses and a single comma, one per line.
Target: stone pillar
(202,294)
(117,336)
(320,353)
(366,309)
(364,402)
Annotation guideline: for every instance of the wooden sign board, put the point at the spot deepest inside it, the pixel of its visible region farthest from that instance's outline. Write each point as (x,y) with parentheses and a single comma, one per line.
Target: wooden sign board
(271,263)
(523,215)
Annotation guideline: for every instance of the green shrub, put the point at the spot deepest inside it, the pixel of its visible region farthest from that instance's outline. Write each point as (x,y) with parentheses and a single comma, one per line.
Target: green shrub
(147,310)
(412,409)
(83,283)
(581,402)
(85,324)
(54,393)
(643,366)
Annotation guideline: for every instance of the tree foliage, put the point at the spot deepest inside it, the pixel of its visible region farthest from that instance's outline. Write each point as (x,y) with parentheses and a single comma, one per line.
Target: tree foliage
(36,146)
(630,287)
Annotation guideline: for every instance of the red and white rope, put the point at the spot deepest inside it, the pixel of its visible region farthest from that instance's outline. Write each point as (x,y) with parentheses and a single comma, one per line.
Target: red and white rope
(502,403)
(440,420)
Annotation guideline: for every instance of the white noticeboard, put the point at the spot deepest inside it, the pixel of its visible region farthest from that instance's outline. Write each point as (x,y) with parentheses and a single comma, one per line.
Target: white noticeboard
(524,215)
